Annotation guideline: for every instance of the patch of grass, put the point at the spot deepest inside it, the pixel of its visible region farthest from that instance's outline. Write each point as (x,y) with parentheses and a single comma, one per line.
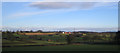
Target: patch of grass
(82,47)
(29,42)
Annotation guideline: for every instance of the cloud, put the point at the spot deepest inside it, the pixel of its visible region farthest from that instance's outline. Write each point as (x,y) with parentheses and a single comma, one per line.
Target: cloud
(60,0)
(20,14)
(68,5)
(57,28)
(62,5)
(80,0)
(49,7)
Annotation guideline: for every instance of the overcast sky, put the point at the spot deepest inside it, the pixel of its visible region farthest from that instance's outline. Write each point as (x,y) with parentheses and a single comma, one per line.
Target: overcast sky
(99,16)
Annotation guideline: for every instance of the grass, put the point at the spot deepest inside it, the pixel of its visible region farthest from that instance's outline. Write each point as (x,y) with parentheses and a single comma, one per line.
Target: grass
(30,42)
(55,39)
(81,47)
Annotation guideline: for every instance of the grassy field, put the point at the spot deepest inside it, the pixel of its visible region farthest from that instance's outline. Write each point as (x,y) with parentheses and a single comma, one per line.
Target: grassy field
(56,43)
(29,42)
(81,47)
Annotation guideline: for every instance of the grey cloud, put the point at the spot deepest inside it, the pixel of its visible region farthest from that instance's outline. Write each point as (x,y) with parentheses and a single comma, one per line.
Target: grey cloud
(63,5)
(60,0)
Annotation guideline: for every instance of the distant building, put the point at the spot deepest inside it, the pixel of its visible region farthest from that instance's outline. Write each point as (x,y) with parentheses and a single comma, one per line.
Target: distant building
(63,32)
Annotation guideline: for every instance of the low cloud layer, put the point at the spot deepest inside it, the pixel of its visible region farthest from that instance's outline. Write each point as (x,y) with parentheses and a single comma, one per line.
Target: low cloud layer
(59,29)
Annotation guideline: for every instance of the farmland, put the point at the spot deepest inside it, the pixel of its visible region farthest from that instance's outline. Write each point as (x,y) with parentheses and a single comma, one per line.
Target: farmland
(36,33)
(59,42)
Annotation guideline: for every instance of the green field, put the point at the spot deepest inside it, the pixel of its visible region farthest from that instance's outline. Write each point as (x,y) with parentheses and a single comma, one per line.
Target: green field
(15,42)
(80,47)
(29,42)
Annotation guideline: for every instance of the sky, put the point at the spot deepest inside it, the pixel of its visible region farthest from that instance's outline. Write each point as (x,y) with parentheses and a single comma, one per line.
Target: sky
(67,16)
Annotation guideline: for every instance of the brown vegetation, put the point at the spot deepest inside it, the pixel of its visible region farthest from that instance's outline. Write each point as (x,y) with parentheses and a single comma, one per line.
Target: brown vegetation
(36,33)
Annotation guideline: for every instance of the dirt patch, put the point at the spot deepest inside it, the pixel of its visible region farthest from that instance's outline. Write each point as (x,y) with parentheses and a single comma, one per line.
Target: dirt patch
(36,33)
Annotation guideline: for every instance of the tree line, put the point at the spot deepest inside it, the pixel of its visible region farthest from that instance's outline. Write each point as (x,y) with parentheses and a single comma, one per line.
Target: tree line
(70,38)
